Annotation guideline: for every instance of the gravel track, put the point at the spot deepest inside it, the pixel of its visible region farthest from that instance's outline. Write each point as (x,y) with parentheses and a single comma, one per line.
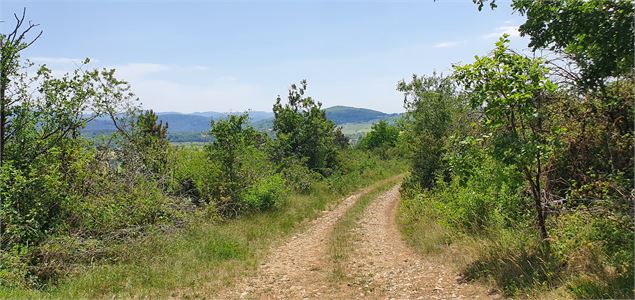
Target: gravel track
(381,266)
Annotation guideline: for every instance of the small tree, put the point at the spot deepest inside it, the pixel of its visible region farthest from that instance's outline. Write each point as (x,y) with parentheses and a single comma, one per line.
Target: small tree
(11,45)
(512,91)
(234,146)
(431,104)
(41,116)
(303,131)
(381,135)
(382,138)
(150,138)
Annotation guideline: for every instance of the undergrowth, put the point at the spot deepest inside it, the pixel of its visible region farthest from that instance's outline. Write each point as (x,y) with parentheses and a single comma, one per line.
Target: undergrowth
(207,253)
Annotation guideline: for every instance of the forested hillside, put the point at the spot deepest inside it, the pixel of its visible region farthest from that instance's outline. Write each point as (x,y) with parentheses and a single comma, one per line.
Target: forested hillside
(515,170)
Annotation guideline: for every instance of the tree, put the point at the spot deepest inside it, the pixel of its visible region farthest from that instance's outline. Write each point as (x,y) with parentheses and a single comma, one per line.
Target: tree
(596,34)
(303,131)
(150,139)
(10,47)
(234,145)
(513,91)
(41,117)
(431,104)
(382,135)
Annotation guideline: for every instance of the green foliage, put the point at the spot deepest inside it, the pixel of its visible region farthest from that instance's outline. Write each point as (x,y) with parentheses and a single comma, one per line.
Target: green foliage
(150,140)
(381,137)
(203,254)
(303,131)
(432,111)
(569,148)
(513,92)
(194,174)
(267,193)
(238,152)
(597,34)
(300,178)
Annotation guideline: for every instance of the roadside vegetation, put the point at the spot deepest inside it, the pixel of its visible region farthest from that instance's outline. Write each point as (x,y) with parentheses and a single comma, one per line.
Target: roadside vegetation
(521,171)
(130,214)
(522,166)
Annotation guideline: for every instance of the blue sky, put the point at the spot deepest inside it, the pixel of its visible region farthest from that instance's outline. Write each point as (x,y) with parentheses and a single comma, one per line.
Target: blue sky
(191,56)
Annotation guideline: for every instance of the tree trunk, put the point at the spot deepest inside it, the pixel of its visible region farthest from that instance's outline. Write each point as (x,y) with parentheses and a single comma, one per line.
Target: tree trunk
(539,207)
(540,212)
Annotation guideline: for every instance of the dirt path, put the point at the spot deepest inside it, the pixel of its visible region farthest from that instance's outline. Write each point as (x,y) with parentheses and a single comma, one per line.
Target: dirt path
(382,266)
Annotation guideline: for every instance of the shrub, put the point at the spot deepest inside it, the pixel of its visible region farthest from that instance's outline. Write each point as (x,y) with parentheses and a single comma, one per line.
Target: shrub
(268,193)
(194,175)
(303,131)
(298,176)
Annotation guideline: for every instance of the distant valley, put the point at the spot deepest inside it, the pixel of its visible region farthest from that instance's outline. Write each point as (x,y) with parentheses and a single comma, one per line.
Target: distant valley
(192,127)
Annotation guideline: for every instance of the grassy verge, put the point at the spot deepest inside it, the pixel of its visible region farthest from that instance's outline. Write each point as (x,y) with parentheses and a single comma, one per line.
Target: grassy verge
(206,256)
(341,236)
(513,260)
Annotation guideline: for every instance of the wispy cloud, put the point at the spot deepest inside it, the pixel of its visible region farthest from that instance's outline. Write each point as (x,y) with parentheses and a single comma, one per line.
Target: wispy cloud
(139,70)
(448,44)
(169,87)
(499,31)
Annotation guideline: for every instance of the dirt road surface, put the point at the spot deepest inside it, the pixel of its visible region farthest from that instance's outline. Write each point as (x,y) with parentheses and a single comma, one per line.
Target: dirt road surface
(380,266)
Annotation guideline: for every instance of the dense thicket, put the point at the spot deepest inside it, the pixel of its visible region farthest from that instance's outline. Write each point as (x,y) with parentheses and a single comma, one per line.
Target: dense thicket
(524,143)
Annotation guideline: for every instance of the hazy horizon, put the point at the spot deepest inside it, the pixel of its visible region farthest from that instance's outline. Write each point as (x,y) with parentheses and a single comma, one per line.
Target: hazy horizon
(222,56)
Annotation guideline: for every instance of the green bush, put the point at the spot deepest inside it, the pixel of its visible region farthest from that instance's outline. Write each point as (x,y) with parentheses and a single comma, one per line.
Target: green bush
(267,193)
(299,177)
(15,263)
(598,252)
(31,203)
(194,175)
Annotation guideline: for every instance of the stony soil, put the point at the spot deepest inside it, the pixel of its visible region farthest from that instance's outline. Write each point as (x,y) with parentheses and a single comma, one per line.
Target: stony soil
(380,266)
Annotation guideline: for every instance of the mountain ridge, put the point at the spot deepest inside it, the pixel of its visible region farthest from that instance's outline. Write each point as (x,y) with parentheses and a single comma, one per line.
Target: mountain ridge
(195,123)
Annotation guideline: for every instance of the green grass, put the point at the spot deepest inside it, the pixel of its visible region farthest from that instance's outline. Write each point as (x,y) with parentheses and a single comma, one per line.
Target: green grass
(513,260)
(342,234)
(204,257)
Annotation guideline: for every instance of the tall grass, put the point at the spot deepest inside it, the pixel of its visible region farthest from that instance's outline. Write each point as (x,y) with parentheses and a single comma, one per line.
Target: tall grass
(513,259)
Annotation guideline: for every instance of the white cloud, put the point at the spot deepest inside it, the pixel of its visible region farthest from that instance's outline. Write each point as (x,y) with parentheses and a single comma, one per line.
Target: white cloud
(185,89)
(163,95)
(507,29)
(173,87)
(447,44)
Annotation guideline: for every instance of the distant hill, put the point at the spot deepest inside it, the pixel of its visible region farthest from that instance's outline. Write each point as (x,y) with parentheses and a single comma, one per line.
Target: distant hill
(347,114)
(183,127)
(180,122)
(254,115)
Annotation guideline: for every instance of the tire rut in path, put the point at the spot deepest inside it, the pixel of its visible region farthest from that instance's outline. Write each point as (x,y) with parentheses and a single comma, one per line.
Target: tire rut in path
(381,267)
(300,267)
